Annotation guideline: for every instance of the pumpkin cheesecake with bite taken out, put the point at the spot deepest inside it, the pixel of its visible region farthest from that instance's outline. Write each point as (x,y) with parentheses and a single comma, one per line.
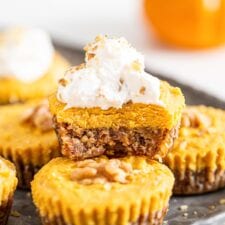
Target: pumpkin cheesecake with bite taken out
(198,156)
(8,182)
(109,105)
(29,65)
(130,190)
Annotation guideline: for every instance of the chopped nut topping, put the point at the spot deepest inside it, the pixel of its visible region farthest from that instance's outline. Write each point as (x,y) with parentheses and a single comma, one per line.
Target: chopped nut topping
(63,82)
(71,70)
(195,119)
(142,90)
(102,172)
(90,56)
(39,117)
(93,46)
(121,81)
(100,37)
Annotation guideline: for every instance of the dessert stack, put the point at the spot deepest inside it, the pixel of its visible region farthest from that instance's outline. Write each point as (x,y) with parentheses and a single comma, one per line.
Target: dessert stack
(112,120)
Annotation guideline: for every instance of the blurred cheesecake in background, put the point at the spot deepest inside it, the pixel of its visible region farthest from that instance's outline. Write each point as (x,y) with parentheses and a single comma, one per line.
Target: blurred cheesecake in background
(29,65)
(27,138)
(198,156)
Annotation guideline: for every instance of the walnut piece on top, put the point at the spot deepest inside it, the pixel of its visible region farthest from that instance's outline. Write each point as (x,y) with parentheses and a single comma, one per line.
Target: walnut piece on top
(39,116)
(195,119)
(105,171)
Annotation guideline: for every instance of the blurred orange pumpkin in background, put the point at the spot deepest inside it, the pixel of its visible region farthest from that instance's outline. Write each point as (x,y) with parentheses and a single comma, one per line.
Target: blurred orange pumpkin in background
(187,23)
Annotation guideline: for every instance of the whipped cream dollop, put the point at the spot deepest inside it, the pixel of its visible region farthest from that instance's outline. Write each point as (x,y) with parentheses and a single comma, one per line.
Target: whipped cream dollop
(25,53)
(112,75)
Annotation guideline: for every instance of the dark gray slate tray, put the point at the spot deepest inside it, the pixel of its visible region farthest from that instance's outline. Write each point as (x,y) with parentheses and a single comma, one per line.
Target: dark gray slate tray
(202,210)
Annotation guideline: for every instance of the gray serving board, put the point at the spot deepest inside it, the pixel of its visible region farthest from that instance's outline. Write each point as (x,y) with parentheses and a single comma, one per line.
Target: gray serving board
(202,210)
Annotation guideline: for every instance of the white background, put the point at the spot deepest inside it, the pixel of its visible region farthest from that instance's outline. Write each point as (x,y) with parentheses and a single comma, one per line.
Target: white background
(75,22)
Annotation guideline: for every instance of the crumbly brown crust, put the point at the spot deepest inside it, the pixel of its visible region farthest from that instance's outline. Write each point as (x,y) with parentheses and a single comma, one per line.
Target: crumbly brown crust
(191,182)
(25,174)
(194,118)
(5,208)
(151,219)
(78,143)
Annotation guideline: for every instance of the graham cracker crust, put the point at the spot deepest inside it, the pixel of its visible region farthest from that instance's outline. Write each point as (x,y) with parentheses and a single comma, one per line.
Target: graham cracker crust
(191,182)
(25,174)
(78,143)
(151,219)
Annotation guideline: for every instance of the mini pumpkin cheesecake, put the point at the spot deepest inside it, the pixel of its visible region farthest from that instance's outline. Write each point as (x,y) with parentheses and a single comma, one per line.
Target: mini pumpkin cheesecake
(30,67)
(110,106)
(27,138)
(8,182)
(198,157)
(130,190)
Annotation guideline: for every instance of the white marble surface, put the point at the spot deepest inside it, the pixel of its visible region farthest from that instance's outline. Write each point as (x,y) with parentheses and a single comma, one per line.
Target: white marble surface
(75,22)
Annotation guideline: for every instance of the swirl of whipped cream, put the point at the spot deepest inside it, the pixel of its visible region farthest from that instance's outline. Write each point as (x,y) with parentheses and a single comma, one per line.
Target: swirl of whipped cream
(25,54)
(112,75)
